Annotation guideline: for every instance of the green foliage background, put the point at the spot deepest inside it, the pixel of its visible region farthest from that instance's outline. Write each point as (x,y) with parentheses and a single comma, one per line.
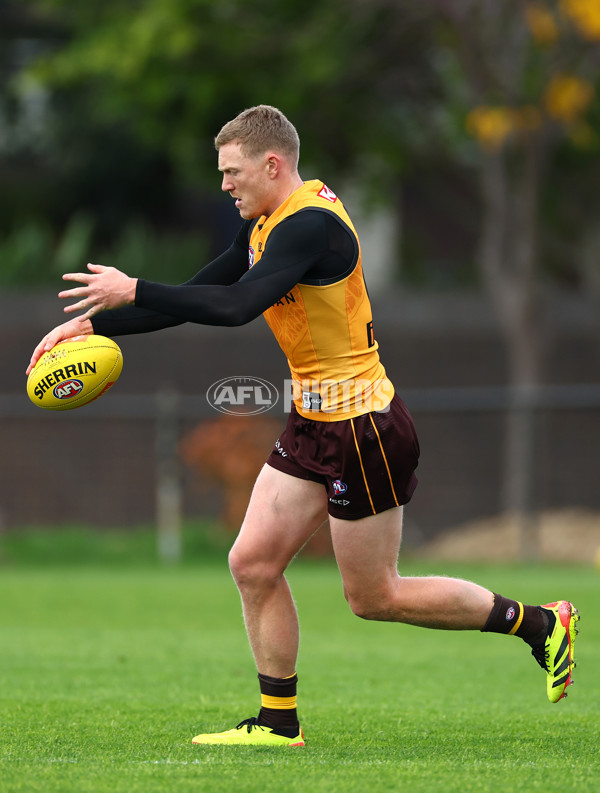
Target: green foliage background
(108,111)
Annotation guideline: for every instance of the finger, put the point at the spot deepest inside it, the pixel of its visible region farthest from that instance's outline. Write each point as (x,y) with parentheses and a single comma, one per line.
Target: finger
(83,304)
(49,341)
(96,268)
(69,293)
(91,312)
(83,278)
(45,345)
(78,291)
(37,354)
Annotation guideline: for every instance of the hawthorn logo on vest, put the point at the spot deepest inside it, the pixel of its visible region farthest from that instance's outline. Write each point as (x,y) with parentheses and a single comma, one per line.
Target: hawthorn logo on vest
(328,194)
(242,396)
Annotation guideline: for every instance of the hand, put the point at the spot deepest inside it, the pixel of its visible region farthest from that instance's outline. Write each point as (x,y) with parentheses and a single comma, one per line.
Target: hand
(105,288)
(74,327)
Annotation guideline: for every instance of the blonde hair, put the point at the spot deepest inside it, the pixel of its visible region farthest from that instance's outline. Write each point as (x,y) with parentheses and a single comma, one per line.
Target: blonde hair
(260,129)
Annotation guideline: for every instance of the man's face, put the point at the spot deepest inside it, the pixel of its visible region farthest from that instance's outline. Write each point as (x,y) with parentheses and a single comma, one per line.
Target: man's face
(246,180)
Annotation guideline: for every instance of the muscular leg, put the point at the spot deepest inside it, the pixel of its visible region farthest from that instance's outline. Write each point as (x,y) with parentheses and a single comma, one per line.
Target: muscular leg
(367,555)
(283,513)
(367,552)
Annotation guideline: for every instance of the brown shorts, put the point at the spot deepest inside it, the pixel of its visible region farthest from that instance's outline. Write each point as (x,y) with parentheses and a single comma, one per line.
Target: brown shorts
(366,463)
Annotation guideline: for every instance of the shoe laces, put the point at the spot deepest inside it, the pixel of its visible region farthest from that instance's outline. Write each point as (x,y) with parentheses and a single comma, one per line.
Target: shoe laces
(541,651)
(248,723)
(541,655)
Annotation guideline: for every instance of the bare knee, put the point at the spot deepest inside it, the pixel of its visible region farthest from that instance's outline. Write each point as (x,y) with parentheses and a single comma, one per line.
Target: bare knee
(366,610)
(381,601)
(369,606)
(250,569)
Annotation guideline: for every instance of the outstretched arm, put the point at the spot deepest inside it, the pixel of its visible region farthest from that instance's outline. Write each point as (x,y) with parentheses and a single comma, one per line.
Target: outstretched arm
(225,269)
(298,248)
(294,247)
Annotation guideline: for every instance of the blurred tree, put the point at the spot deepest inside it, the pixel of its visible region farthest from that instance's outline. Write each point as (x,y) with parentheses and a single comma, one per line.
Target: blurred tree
(526,73)
(176,70)
(65,178)
(127,96)
(134,93)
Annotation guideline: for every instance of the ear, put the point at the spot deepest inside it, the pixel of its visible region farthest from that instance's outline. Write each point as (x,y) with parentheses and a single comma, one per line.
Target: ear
(273,165)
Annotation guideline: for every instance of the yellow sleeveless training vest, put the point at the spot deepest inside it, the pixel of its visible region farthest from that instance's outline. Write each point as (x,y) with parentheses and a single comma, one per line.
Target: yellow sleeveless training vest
(326,332)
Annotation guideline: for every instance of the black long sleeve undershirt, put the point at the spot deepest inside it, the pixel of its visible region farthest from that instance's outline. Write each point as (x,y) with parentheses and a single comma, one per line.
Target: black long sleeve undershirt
(311,246)
(225,269)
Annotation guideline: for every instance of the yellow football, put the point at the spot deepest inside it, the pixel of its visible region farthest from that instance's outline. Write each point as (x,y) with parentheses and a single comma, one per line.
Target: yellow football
(74,372)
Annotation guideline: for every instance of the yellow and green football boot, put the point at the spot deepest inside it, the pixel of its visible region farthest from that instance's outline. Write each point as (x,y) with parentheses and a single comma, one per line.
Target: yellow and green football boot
(250,733)
(555,655)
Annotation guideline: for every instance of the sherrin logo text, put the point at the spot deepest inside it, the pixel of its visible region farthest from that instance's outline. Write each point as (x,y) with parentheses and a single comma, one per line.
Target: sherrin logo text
(61,376)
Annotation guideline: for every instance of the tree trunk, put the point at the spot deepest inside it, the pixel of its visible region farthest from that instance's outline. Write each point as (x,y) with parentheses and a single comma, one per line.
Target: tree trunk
(510,189)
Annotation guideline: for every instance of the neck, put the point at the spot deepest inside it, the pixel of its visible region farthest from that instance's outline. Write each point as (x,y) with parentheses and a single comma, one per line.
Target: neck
(290,186)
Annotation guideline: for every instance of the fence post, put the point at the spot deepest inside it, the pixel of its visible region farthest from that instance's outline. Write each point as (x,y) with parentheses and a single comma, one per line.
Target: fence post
(520,472)
(168,484)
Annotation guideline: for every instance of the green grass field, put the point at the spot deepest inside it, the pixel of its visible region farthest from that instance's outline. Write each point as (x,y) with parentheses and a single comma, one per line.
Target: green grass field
(106,673)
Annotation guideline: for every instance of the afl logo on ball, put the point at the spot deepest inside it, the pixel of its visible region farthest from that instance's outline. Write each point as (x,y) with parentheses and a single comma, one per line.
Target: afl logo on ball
(67,389)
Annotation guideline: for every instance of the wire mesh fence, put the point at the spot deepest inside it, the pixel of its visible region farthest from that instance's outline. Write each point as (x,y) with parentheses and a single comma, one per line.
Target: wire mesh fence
(120,462)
